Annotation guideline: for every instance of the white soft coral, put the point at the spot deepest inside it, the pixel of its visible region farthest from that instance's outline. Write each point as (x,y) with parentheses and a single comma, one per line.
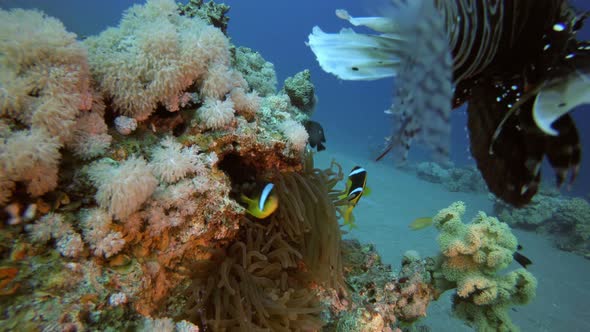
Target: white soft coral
(172,162)
(123,188)
(216,114)
(31,157)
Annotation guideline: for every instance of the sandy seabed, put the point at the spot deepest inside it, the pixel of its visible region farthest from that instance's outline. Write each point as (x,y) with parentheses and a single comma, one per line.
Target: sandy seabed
(397,198)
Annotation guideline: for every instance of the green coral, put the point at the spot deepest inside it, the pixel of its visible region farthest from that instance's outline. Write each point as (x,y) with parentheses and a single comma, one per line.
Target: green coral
(259,73)
(211,12)
(471,257)
(301,91)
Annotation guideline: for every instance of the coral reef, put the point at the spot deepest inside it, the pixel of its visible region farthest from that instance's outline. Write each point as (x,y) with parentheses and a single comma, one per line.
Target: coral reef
(44,86)
(301,91)
(455,179)
(379,299)
(259,73)
(210,11)
(471,258)
(122,159)
(565,220)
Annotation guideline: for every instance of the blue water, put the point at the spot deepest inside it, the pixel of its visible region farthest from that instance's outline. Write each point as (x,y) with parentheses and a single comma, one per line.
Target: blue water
(351,112)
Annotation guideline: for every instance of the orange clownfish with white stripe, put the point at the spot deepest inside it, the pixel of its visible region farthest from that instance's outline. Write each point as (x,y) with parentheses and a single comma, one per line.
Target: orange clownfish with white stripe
(264,204)
(356,187)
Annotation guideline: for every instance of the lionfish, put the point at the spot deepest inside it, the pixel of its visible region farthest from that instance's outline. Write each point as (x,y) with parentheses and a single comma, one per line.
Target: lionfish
(517,64)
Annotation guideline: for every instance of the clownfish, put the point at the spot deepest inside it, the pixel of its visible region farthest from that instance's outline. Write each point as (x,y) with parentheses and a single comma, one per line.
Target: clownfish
(356,186)
(264,205)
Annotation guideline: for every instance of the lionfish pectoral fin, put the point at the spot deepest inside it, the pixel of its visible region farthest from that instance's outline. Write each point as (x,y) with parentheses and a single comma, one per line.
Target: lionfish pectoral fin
(557,99)
(355,56)
(511,169)
(377,23)
(564,152)
(358,56)
(385,151)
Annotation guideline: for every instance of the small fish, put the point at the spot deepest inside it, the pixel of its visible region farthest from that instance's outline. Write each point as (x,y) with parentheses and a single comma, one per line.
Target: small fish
(316,134)
(520,258)
(420,223)
(264,205)
(356,186)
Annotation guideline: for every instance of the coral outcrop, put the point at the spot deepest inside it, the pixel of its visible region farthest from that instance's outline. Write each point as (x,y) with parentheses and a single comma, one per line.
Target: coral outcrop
(213,13)
(455,179)
(380,299)
(566,220)
(472,256)
(301,91)
(122,159)
(259,73)
(46,102)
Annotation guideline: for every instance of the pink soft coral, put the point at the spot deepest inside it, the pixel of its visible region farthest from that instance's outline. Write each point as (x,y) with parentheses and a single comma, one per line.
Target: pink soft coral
(172,162)
(216,114)
(154,56)
(31,157)
(295,133)
(44,83)
(123,188)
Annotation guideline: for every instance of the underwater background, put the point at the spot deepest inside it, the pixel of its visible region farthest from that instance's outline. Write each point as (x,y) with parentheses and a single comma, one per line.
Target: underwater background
(351,112)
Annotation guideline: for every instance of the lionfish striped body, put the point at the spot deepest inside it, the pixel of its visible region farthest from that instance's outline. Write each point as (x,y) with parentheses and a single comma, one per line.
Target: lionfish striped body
(508,59)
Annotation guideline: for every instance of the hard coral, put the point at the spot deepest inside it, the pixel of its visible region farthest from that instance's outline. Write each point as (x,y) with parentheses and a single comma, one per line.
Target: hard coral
(214,13)
(259,73)
(301,91)
(378,298)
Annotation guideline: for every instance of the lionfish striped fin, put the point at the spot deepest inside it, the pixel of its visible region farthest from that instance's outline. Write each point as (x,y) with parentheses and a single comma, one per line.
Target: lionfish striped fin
(423,87)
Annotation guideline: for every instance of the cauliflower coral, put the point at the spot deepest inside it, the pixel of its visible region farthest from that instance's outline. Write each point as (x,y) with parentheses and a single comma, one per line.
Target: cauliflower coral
(471,257)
